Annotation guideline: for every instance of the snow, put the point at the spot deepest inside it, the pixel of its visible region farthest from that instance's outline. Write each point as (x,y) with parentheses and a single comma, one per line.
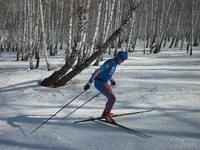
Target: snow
(168,82)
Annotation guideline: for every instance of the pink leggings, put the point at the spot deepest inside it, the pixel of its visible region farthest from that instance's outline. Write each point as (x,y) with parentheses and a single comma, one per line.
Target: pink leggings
(106,90)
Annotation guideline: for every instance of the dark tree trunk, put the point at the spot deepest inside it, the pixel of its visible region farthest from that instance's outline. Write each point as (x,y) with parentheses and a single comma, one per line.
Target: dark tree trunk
(51,81)
(172,43)
(37,57)
(195,42)
(157,49)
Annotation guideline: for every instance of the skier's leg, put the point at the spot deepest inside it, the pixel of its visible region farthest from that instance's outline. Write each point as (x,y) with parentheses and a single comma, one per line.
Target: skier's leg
(106,90)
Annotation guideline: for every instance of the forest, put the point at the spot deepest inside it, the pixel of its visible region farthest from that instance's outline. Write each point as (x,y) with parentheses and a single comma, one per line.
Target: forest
(86,29)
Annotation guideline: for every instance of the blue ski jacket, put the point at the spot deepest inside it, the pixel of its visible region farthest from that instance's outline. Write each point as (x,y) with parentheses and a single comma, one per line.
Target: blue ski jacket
(105,72)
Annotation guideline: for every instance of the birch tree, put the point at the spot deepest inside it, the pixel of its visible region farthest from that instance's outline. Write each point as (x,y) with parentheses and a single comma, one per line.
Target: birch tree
(44,36)
(96,32)
(194,20)
(101,30)
(82,53)
(57,76)
(145,29)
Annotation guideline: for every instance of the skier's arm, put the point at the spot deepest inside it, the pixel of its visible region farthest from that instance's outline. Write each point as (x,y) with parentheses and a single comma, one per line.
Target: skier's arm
(104,67)
(95,74)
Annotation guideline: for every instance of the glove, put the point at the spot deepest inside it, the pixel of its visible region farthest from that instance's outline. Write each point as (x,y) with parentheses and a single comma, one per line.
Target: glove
(113,83)
(86,87)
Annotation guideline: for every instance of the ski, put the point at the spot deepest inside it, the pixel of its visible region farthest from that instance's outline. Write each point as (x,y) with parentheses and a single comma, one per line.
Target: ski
(129,130)
(115,115)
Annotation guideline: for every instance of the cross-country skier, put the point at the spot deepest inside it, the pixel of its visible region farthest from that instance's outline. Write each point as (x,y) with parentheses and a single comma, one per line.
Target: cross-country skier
(101,76)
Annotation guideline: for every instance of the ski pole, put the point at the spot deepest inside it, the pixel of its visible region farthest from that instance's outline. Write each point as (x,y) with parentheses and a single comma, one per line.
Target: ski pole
(55,113)
(81,105)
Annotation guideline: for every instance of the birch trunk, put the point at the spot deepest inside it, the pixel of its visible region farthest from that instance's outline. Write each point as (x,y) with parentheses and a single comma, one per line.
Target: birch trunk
(19,30)
(136,33)
(97,27)
(61,24)
(70,31)
(30,40)
(145,34)
(82,52)
(109,21)
(195,17)
(2,44)
(178,24)
(43,36)
(101,31)
(36,39)
(130,35)
(160,29)
(118,19)
(24,32)
(192,29)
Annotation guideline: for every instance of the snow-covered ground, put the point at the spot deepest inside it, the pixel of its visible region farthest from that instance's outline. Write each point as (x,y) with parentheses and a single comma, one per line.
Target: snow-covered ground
(168,82)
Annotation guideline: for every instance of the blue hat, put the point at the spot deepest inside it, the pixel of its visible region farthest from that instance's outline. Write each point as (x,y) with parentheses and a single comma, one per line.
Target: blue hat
(122,55)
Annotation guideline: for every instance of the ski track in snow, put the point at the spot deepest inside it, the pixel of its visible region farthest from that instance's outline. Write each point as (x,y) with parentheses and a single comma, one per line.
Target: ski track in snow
(167,82)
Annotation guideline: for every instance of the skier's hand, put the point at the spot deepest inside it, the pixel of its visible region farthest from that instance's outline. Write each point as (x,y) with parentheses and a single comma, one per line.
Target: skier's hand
(86,87)
(113,83)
